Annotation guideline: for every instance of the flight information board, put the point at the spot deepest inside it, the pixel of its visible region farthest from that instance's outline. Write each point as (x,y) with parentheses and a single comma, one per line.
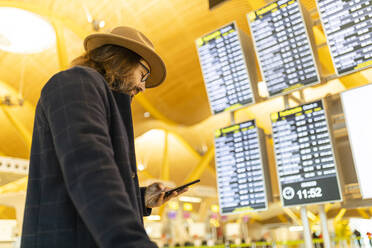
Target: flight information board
(240,167)
(224,68)
(304,155)
(283,47)
(348,27)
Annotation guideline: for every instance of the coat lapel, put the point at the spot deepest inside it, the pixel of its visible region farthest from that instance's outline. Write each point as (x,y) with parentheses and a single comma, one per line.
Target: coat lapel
(123,102)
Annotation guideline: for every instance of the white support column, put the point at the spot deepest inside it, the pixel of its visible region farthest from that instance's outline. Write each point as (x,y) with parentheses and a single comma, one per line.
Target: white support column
(325,233)
(307,231)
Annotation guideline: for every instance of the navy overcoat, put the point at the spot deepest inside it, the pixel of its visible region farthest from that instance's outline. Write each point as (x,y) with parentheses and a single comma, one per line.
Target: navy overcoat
(83,189)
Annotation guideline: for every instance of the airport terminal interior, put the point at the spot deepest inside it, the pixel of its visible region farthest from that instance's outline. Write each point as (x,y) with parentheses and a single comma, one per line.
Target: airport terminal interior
(268,103)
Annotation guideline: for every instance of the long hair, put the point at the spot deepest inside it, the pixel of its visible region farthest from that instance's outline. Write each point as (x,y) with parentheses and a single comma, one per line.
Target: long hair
(115,64)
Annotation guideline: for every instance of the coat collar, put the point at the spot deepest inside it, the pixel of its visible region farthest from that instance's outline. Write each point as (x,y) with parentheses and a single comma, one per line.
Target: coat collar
(123,102)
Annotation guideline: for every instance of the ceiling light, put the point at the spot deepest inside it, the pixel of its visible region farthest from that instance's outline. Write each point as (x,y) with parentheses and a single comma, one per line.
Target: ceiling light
(187,206)
(215,208)
(190,199)
(296,228)
(102,24)
(97,24)
(173,205)
(24,32)
(262,89)
(146,114)
(141,167)
(87,14)
(152,135)
(153,217)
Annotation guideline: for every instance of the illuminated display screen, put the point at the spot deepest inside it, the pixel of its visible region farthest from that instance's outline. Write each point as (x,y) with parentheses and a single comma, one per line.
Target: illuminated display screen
(304,155)
(348,27)
(283,47)
(224,69)
(359,125)
(239,166)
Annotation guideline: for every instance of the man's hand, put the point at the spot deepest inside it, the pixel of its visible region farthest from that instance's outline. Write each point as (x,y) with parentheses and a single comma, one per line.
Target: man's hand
(154,195)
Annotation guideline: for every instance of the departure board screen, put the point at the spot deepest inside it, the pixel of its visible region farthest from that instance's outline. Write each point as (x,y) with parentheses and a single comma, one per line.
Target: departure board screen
(283,48)
(348,27)
(224,69)
(239,166)
(304,155)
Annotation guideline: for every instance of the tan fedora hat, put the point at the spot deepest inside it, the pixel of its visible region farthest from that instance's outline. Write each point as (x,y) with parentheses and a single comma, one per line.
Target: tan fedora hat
(135,41)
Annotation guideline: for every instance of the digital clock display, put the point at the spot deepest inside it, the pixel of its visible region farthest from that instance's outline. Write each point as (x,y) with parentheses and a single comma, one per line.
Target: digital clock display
(304,155)
(310,193)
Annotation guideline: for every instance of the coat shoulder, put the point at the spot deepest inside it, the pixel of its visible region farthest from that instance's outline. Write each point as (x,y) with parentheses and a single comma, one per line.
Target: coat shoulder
(77,75)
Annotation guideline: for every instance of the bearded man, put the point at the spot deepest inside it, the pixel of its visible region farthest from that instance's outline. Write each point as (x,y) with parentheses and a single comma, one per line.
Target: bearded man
(83,188)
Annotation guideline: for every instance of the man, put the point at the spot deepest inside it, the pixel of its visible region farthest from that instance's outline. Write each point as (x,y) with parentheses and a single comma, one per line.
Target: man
(83,187)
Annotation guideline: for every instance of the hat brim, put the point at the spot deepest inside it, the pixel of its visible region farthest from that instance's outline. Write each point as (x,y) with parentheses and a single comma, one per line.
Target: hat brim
(158,70)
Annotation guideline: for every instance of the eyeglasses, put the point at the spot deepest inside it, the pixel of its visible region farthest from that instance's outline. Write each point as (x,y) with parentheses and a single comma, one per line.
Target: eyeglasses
(147,74)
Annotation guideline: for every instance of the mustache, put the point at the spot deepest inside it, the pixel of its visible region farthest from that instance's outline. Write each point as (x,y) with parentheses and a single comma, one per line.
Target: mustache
(127,87)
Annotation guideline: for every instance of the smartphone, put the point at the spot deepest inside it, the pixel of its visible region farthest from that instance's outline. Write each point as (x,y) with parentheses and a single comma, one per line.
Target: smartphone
(180,188)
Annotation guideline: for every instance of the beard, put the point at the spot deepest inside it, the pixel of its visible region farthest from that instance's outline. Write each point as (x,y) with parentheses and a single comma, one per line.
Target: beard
(124,85)
(128,88)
